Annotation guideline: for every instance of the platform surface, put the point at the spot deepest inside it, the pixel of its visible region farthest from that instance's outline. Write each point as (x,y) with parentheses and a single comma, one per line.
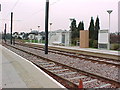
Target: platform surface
(103,51)
(17,72)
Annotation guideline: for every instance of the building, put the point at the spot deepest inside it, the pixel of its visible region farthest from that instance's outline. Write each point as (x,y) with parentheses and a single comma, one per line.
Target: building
(15,34)
(59,37)
(35,35)
(22,35)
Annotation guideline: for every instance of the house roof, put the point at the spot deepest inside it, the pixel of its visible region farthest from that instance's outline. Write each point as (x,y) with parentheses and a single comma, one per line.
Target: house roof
(34,32)
(60,31)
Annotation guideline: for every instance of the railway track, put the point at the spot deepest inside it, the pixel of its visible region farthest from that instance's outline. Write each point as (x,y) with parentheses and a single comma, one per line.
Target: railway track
(74,55)
(69,74)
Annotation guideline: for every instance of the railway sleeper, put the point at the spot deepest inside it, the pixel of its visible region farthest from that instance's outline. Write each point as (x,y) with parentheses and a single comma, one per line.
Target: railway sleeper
(48,65)
(59,70)
(77,77)
(68,73)
(56,67)
(103,86)
(94,82)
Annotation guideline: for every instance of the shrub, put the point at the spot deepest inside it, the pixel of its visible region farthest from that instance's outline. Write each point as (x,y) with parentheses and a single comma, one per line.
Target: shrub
(115,47)
(95,44)
(91,43)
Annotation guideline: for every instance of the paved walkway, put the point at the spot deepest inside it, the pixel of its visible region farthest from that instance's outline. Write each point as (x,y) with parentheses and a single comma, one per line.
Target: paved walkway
(103,51)
(20,73)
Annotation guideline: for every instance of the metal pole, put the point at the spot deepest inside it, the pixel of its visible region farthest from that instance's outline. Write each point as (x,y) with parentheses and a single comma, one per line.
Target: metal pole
(0,7)
(11,26)
(109,12)
(38,33)
(13,40)
(5,33)
(109,34)
(46,26)
(50,33)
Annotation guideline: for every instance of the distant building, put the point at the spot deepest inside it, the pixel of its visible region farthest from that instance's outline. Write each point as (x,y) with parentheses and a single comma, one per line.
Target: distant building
(15,34)
(35,35)
(22,35)
(59,37)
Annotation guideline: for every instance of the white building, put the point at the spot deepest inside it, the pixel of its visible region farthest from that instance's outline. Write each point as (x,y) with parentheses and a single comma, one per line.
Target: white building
(59,37)
(39,38)
(21,35)
(35,35)
(31,36)
(15,34)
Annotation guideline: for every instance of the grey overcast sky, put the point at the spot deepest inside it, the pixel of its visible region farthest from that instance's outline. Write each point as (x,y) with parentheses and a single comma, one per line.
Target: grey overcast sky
(29,14)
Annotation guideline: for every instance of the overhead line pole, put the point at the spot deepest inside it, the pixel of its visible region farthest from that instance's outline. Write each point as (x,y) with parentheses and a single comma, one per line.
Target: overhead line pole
(46,26)
(5,33)
(11,27)
(0,7)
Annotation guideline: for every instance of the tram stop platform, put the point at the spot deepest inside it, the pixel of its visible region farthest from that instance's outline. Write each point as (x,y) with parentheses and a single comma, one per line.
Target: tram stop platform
(111,54)
(18,72)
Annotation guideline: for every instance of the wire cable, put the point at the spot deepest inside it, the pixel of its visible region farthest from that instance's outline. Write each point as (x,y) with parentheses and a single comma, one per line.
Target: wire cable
(43,8)
(15,5)
(12,8)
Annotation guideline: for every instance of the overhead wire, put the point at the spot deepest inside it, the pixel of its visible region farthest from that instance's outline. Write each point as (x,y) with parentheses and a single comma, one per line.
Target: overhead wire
(43,8)
(8,14)
(15,5)
(12,8)
(39,11)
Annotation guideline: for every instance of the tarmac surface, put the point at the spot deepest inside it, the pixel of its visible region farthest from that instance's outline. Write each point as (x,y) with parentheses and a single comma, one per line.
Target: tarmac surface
(17,72)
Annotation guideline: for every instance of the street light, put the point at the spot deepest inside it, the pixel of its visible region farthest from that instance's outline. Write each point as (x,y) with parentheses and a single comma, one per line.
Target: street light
(50,26)
(38,28)
(38,32)
(50,32)
(109,12)
(30,29)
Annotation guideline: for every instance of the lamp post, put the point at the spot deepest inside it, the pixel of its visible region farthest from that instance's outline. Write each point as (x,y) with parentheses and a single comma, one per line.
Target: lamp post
(38,28)
(109,12)
(50,26)
(38,33)
(50,32)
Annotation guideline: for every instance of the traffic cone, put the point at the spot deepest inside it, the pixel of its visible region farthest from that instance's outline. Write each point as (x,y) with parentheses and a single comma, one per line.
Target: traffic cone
(80,84)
